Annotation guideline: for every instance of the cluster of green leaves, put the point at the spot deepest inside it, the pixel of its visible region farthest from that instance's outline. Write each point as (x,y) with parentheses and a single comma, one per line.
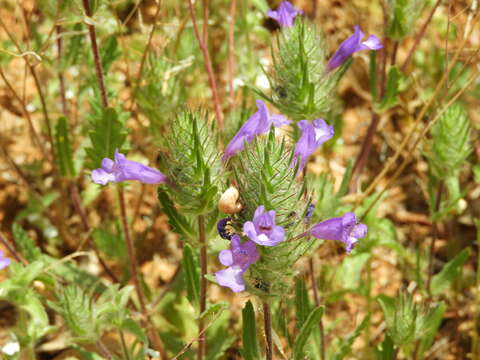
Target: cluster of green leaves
(402,16)
(302,88)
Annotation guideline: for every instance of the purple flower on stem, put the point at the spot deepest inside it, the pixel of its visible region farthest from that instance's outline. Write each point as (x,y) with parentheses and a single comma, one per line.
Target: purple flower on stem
(4,261)
(313,135)
(122,169)
(285,14)
(238,259)
(257,124)
(263,230)
(344,229)
(352,45)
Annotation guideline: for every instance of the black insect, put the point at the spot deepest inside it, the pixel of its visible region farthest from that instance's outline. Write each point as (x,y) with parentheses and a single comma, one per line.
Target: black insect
(261,285)
(225,229)
(281,92)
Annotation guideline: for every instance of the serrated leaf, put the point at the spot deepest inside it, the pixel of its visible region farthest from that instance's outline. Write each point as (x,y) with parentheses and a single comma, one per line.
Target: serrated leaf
(192,277)
(25,243)
(432,323)
(251,350)
(302,304)
(63,148)
(109,243)
(390,99)
(312,321)
(179,223)
(451,270)
(107,133)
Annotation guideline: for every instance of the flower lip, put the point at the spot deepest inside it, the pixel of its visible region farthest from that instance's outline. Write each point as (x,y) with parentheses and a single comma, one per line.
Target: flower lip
(262,230)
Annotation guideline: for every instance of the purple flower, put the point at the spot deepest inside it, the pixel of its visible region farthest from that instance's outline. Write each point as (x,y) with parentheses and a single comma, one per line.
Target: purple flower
(263,230)
(285,14)
(313,135)
(122,169)
(344,229)
(4,261)
(257,124)
(352,45)
(238,259)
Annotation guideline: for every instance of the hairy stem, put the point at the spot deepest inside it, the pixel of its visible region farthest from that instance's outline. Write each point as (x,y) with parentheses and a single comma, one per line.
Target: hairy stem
(231,52)
(208,65)
(136,276)
(267,321)
(104,350)
(316,298)
(438,201)
(61,78)
(420,35)
(203,286)
(11,249)
(96,54)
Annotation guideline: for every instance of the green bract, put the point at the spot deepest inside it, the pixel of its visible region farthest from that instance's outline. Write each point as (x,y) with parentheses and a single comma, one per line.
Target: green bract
(301,86)
(193,165)
(265,177)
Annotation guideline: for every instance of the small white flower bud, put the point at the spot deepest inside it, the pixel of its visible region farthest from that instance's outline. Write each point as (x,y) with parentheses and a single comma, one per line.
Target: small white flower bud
(228,203)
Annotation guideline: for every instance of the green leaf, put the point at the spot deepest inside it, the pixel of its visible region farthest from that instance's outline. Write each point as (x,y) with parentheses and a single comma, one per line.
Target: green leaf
(345,346)
(110,243)
(179,223)
(451,270)
(109,52)
(385,351)
(192,277)
(312,321)
(431,325)
(250,345)
(302,305)
(63,148)
(25,243)
(107,133)
(390,98)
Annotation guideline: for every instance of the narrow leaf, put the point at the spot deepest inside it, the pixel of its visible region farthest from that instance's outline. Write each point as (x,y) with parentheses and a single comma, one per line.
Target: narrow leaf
(192,277)
(312,321)
(451,270)
(250,345)
(63,148)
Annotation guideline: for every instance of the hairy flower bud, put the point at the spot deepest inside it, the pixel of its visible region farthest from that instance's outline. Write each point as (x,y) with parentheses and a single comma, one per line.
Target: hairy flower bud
(228,203)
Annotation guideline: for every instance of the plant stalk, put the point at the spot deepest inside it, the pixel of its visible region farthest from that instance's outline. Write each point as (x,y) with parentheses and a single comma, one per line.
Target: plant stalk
(136,276)
(208,65)
(201,350)
(316,298)
(434,236)
(267,321)
(96,54)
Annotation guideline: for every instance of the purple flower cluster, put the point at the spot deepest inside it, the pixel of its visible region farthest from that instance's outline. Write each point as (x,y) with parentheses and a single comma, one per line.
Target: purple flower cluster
(257,124)
(121,169)
(262,231)
(4,261)
(285,14)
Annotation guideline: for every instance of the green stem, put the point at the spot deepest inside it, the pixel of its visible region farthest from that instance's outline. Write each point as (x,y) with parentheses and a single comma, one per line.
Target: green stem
(267,320)
(203,286)
(316,297)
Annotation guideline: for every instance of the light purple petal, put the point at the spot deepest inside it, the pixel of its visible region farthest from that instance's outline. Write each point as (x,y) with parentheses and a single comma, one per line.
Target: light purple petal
(352,45)
(277,235)
(108,165)
(231,277)
(4,261)
(323,132)
(359,231)
(331,229)
(100,176)
(226,257)
(285,14)
(279,120)
(349,219)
